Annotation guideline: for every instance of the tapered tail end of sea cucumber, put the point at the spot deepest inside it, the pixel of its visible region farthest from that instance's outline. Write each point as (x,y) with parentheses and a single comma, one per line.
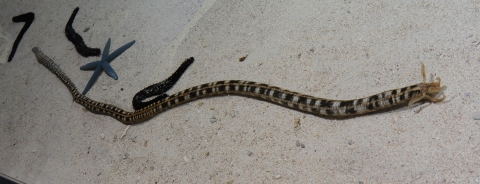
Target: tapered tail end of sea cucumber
(37,52)
(35,49)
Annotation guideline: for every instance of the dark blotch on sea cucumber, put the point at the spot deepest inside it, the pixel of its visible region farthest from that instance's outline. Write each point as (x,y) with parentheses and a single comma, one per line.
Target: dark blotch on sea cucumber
(77,40)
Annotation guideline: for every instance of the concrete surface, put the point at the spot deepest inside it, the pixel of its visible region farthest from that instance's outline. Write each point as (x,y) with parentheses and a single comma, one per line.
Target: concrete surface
(330,49)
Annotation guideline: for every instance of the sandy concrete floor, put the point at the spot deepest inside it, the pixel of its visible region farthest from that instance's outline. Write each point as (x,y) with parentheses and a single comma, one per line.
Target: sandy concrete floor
(330,49)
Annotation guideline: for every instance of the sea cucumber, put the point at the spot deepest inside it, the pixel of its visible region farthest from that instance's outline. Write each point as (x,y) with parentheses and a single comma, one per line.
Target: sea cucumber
(77,40)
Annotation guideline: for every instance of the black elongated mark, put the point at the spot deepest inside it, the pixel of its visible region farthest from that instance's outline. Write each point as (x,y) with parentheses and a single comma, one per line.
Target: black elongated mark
(77,40)
(28,19)
(160,88)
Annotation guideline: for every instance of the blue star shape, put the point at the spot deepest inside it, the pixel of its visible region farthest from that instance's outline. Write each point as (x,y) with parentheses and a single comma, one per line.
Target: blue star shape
(104,64)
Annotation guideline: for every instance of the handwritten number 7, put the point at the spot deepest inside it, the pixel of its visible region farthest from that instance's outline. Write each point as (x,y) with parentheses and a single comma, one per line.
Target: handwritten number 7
(28,19)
